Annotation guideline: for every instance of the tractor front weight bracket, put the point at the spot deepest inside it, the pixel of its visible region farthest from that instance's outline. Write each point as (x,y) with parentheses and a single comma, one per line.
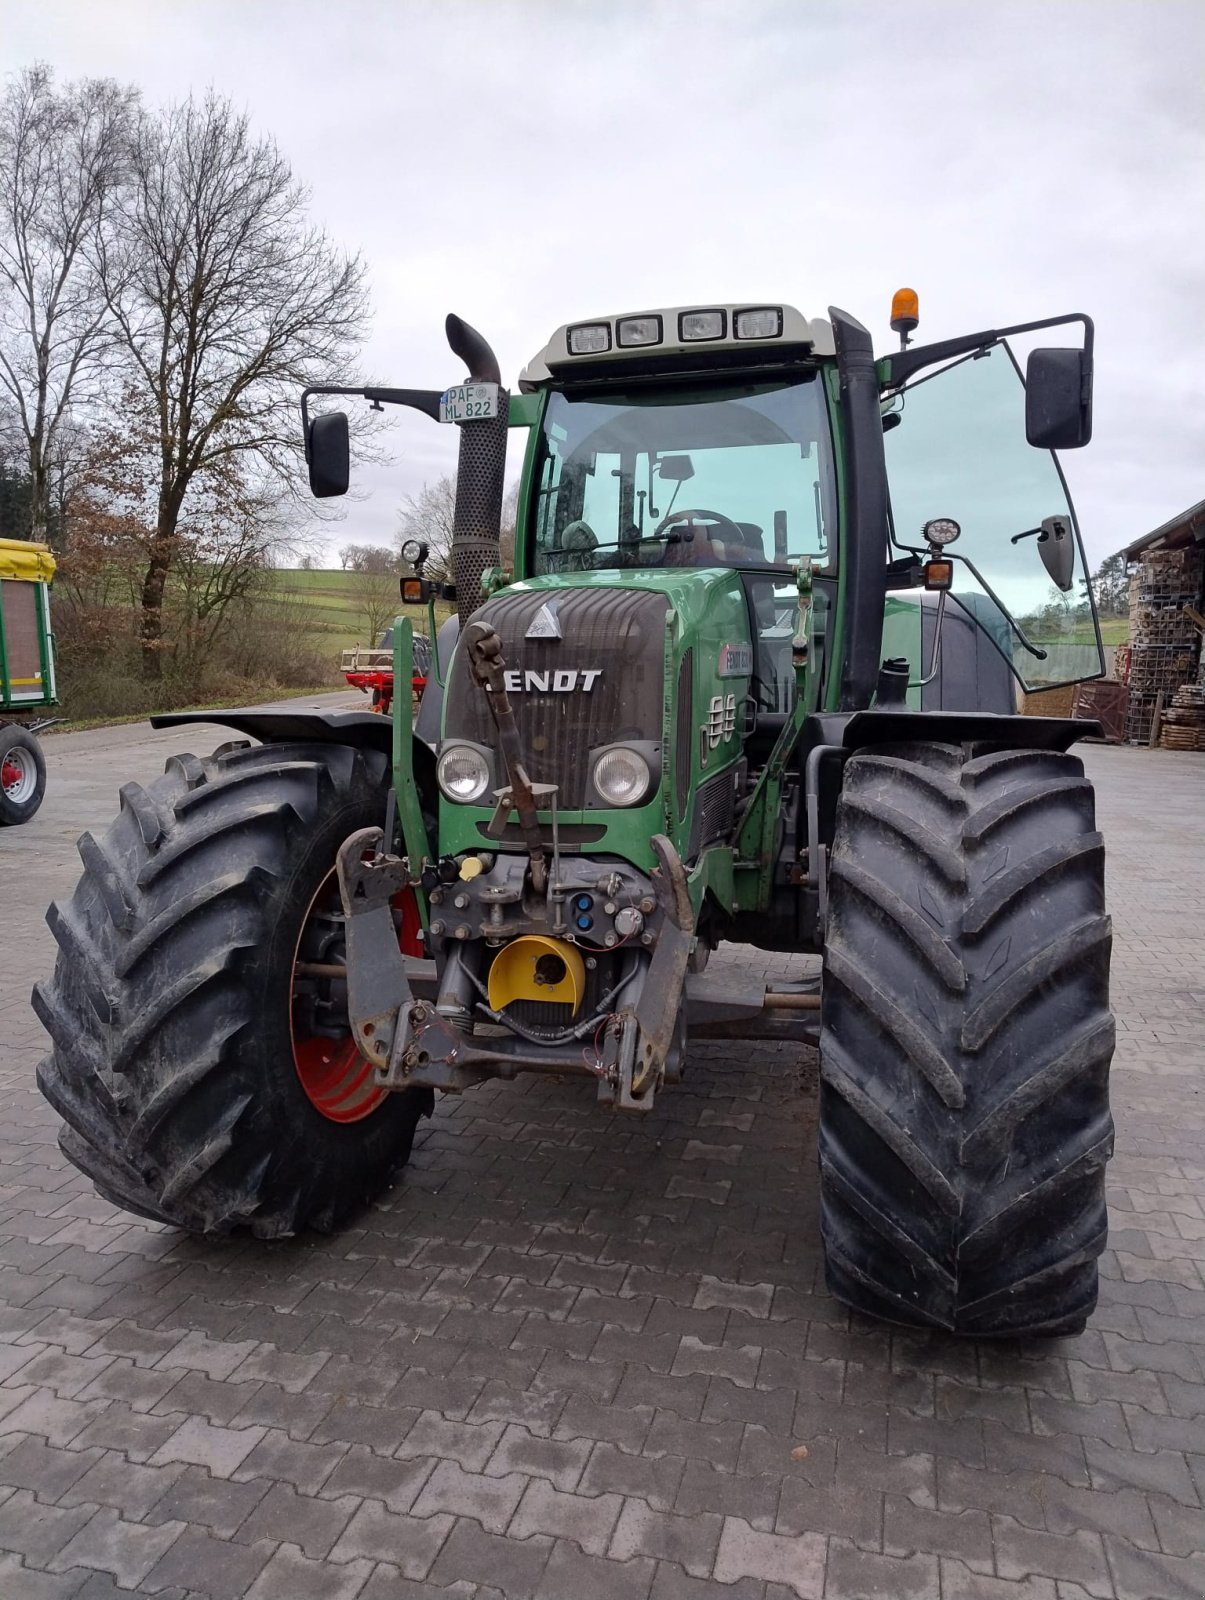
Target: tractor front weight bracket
(378,989)
(639,1041)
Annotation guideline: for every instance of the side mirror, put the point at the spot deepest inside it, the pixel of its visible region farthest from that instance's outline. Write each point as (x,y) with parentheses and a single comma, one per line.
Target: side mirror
(1056,546)
(1058,399)
(328,453)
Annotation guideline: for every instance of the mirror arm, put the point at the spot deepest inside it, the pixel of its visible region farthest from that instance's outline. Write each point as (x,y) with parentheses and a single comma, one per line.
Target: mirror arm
(1014,626)
(424,400)
(923,683)
(1030,533)
(903,363)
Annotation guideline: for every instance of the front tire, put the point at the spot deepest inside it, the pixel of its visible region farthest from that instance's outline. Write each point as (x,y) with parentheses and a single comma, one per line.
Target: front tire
(965,1041)
(173,1010)
(22,774)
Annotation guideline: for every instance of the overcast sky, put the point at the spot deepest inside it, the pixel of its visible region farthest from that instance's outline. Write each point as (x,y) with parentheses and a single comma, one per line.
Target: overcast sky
(531,163)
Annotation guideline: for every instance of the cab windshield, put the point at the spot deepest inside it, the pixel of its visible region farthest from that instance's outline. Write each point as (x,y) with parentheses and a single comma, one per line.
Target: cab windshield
(739,477)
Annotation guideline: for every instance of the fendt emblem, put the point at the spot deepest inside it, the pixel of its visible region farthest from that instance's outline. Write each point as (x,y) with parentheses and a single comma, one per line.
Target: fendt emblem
(564,680)
(544,625)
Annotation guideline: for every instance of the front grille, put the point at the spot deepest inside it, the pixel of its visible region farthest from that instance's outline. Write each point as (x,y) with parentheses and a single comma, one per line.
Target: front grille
(714,812)
(686,729)
(618,633)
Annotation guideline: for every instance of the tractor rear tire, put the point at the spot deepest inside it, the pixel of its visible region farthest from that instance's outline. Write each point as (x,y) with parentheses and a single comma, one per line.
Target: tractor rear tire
(965,1041)
(171,1009)
(22,774)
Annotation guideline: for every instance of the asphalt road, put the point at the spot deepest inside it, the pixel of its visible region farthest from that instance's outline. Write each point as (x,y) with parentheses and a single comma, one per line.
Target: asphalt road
(571,1356)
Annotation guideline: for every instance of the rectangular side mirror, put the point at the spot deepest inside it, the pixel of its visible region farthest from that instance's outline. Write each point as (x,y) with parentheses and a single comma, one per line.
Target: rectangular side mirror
(1058,399)
(328,453)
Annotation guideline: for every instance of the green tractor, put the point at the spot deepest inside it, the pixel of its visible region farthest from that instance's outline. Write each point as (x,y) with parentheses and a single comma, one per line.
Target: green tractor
(752,679)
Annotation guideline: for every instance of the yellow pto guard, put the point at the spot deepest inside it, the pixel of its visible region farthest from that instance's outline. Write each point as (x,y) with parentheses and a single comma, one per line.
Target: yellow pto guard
(535,967)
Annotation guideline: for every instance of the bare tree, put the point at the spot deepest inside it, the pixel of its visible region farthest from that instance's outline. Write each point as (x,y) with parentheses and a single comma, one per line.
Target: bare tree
(429,516)
(367,558)
(510,517)
(228,301)
(375,597)
(61,164)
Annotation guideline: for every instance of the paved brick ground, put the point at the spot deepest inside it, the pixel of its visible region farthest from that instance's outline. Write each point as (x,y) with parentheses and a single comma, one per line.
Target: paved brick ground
(573,1357)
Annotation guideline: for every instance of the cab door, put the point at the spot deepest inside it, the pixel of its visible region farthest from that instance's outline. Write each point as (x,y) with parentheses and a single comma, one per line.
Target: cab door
(959,451)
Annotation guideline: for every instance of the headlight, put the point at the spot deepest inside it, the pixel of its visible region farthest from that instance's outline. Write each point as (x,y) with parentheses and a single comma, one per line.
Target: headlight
(621,777)
(589,338)
(639,330)
(414,551)
(759,322)
(701,325)
(463,773)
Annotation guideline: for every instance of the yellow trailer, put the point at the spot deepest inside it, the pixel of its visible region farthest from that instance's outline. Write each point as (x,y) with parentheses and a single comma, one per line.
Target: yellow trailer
(27,680)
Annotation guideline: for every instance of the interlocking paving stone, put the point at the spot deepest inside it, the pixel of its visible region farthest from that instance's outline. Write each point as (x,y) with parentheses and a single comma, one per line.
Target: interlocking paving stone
(571,1571)
(203,1501)
(16,1579)
(604,1337)
(44,1468)
(490,1501)
(588,1520)
(378,1534)
(128,1550)
(855,1574)
(514,1565)
(688,1541)
(290,1576)
(796,1561)
(31,1528)
(611,1470)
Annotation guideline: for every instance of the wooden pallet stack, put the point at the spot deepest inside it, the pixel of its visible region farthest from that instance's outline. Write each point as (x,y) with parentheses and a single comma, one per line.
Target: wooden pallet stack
(1164,640)
(1182,723)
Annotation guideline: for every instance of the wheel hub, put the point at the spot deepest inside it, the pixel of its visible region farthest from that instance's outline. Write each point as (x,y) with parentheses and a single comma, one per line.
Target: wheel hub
(18,776)
(338,1081)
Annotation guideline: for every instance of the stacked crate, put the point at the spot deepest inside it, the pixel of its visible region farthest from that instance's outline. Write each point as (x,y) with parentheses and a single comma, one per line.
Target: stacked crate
(1182,726)
(1164,642)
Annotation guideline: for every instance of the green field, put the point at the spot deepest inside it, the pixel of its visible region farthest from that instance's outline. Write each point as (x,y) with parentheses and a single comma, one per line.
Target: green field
(335,615)
(334,611)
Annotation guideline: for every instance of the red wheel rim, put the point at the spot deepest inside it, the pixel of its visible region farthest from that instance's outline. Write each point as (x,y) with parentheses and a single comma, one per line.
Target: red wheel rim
(337,1080)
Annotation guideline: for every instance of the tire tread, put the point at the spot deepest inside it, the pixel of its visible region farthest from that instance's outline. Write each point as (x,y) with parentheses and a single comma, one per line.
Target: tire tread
(965,1129)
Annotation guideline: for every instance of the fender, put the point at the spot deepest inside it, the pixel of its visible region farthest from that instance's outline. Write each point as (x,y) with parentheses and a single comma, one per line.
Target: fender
(865,728)
(362,730)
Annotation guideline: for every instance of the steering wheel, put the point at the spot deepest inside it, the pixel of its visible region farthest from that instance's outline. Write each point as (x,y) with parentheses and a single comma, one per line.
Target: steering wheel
(578,544)
(731,530)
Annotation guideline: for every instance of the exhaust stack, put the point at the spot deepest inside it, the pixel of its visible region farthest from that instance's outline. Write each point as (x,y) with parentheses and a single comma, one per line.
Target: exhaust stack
(480,474)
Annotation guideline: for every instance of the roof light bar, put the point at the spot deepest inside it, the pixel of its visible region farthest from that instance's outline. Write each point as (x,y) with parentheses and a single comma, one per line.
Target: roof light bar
(690,336)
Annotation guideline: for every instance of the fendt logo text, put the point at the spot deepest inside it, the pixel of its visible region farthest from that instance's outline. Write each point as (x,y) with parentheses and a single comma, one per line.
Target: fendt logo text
(564,680)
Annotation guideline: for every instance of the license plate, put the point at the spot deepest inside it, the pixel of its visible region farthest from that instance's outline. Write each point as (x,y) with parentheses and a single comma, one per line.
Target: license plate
(469,402)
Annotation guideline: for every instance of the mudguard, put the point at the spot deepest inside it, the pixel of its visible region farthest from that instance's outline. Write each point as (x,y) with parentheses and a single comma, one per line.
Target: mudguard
(362,730)
(863,728)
